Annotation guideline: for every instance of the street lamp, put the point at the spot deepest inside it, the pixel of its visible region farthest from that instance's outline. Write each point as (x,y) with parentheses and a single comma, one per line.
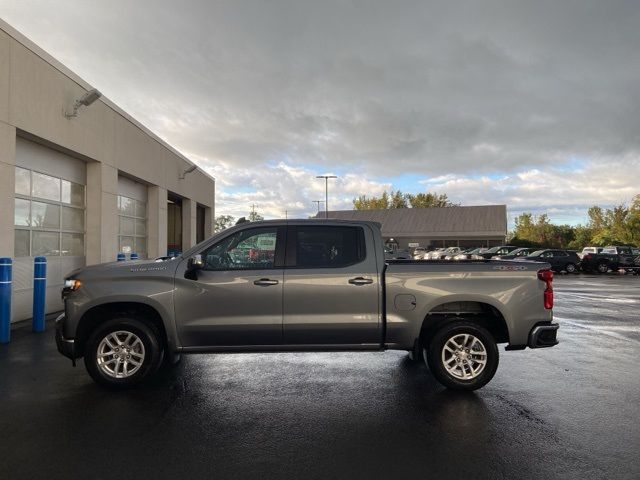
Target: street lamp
(326,192)
(318,202)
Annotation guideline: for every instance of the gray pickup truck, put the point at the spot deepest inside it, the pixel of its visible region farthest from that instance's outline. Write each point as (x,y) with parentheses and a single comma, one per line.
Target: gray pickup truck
(303,285)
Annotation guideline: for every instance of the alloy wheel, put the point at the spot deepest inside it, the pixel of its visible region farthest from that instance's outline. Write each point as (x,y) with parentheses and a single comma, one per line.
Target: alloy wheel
(120,354)
(464,356)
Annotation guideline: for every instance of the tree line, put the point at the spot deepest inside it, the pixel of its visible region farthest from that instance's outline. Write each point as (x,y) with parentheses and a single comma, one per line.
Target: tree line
(619,225)
(397,199)
(222,222)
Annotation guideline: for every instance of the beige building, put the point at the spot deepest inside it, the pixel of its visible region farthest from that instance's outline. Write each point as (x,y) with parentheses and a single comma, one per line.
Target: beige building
(80,189)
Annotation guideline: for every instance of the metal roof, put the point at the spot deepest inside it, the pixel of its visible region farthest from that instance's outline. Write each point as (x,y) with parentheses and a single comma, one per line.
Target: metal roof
(447,222)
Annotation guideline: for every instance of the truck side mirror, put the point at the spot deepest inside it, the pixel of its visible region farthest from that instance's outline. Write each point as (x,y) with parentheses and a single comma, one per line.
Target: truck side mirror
(195,262)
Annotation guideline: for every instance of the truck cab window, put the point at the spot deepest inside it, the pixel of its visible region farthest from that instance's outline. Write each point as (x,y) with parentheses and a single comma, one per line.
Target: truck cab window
(252,249)
(329,247)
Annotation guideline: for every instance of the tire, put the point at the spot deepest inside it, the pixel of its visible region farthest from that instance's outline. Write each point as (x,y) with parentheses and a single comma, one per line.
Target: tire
(602,267)
(571,268)
(113,340)
(452,377)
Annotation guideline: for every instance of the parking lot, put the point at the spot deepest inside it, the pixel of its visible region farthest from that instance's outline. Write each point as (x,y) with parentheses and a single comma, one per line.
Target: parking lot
(567,412)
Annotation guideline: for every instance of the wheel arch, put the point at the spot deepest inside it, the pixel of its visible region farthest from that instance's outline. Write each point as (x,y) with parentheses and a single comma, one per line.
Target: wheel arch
(480,312)
(98,314)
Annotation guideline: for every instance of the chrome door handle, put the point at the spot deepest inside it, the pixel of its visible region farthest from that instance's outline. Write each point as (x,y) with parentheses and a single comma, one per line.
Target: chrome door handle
(265,282)
(360,281)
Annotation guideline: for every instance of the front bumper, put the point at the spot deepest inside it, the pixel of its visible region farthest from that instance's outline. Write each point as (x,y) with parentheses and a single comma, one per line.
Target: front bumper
(543,335)
(66,346)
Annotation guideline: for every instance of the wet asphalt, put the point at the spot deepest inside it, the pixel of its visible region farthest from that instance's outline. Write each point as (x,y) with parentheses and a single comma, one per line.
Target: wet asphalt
(571,411)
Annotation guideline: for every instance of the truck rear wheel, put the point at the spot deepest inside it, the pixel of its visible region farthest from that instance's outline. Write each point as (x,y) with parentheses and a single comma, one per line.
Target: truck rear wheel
(121,352)
(463,356)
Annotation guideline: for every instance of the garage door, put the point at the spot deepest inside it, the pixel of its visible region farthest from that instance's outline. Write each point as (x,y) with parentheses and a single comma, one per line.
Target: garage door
(49,220)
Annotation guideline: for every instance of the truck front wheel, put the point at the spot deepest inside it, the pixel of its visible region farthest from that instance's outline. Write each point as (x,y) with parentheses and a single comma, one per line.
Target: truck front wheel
(463,356)
(121,352)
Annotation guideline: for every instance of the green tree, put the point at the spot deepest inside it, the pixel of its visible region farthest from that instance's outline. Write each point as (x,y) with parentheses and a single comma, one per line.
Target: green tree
(397,199)
(633,222)
(223,222)
(596,219)
(544,230)
(428,200)
(525,227)
(255,216)
(581,237)
(563,236)
(371,203)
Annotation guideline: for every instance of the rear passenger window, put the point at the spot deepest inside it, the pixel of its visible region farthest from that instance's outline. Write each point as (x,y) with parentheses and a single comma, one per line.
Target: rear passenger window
(329,247)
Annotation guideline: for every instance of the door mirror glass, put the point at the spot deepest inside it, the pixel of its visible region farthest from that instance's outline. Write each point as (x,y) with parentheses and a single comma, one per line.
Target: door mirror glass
(195,262)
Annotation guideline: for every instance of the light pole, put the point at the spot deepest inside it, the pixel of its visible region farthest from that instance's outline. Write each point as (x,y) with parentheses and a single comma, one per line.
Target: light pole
(326,192)
(318,202)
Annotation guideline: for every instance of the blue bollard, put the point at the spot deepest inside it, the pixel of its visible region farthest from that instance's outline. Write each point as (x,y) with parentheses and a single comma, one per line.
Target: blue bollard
(134,256)
(121,257)
(39,292)
(5,300)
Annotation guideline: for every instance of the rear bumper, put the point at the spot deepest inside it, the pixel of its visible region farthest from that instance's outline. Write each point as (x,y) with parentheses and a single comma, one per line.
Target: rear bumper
(66,346)
(543,335)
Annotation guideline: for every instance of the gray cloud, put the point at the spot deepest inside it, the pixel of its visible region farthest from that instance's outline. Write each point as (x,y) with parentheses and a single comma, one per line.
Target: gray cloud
(430,88)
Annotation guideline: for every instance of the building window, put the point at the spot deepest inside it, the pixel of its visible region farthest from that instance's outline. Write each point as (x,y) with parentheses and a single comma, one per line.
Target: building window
(48,215)
(132,230)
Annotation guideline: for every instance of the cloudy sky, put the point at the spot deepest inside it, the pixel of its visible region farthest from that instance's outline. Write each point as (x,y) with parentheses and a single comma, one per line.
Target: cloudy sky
(535,104)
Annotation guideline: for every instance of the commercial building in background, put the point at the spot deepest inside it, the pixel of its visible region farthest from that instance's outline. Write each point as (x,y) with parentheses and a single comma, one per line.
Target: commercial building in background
(80,189)
(408,228)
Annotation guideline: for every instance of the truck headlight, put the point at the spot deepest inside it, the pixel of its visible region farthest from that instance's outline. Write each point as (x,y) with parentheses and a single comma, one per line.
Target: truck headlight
(70,285)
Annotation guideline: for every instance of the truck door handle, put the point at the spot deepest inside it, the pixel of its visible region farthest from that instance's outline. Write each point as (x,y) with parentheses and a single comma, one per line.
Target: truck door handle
(265,282)
(360,281)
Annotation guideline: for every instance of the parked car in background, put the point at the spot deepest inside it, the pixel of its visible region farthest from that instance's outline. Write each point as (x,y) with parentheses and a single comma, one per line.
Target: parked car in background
(611,258)
(433,254)
(418,253)
(501,250)
(518,252)
(471,254)
(441,255)
(390,254)
(453,255)
(586,250)
(560,260)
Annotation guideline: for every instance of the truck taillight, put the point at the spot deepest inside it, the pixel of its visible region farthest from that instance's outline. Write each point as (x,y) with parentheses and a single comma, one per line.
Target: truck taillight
(547,277)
